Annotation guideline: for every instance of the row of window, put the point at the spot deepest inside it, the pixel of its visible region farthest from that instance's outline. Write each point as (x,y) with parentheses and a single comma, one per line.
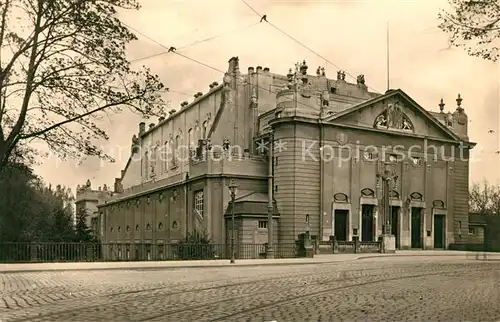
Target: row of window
(262,225)
(371,156)
(149,165)
(198,202)
(175,225)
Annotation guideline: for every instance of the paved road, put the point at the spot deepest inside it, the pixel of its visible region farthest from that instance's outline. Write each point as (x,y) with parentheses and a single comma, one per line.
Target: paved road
(381,289)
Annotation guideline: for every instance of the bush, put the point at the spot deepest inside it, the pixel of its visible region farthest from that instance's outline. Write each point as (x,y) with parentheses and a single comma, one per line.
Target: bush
(195,246)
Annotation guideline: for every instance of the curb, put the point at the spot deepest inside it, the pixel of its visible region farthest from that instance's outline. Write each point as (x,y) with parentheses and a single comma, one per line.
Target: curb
(139,268)
(166,267)
(416,255)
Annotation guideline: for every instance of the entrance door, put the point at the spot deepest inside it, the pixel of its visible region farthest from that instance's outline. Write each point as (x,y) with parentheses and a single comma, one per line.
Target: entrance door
(416,227)
(395,224)
(367,227)
(438,231)
(340,218)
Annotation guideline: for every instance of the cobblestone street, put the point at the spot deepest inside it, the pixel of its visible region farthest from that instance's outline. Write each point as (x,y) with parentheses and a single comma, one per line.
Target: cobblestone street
(375,289)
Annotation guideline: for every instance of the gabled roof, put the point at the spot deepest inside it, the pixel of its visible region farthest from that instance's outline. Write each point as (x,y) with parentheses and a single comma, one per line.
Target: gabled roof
(403,96)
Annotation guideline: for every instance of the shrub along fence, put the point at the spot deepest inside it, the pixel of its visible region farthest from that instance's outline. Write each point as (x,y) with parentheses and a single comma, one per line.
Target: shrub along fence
(23,252)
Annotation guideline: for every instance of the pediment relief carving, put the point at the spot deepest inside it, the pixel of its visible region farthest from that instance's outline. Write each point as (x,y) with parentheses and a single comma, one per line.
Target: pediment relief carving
(394,118)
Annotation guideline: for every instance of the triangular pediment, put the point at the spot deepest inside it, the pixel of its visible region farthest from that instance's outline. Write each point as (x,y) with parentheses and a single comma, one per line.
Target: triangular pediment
(394,112)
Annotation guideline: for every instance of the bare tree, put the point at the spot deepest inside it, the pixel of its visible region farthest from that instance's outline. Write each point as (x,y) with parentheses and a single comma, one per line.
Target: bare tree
(62,67)
(485,199)
(473,25)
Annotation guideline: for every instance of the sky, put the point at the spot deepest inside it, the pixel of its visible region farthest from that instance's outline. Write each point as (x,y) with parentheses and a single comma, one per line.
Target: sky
(350,34)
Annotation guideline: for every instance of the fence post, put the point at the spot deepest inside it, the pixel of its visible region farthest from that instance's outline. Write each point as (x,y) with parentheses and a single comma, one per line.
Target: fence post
(356,244)
(334,245)
(34,252)
(89,248)
(381,244)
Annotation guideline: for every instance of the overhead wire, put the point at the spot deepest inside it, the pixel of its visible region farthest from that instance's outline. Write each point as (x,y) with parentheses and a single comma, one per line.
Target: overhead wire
(299,42)
(169,49)
(202,63)
(193,43)
(219,70)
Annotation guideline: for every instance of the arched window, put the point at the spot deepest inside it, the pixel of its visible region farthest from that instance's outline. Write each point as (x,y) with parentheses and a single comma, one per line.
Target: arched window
(204,129)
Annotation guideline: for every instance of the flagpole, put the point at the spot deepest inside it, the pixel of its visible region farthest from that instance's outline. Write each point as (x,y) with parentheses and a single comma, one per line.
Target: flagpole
(387,48)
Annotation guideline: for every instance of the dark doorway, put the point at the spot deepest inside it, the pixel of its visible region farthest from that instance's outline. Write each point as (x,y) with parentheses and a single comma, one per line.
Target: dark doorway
(367,223)
(341,217)
(416,227)
(395,224)
(438,231)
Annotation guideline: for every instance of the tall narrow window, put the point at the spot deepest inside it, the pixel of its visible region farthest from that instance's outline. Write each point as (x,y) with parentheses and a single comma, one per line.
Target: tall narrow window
(175,152)
(154,156)
(145,165)
(164,156)
(171,153)
(190,138)
(204,129)
(198,202)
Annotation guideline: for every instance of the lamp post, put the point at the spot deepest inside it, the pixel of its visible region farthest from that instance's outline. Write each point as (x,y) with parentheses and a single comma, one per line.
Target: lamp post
(232,190)
(388,178)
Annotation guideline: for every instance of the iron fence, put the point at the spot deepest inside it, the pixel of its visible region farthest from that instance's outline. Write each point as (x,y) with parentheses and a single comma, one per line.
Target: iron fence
(19,252)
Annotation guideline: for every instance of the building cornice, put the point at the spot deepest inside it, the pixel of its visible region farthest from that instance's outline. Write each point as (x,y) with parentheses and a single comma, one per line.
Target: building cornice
(179,183)
(298,119)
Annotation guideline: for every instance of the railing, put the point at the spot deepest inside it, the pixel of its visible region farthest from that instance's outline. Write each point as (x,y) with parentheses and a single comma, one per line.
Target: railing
(19,252)
(356,246)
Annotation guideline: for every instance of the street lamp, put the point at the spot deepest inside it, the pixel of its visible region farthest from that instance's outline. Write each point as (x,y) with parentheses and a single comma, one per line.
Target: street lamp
(387,178)
(232,190)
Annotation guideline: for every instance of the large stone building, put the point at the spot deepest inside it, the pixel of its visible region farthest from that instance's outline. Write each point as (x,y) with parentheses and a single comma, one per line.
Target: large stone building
(328,141)
(87,200)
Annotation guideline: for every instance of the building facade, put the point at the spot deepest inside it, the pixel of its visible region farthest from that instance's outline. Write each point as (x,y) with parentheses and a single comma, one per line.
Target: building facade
(87,200)
(308,148)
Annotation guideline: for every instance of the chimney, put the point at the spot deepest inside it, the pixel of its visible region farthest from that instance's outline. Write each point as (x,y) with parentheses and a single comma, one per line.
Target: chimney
(251,70)
(266,69)
(118,185)
(234,66)
(142,128)
(152,125)
(259,69)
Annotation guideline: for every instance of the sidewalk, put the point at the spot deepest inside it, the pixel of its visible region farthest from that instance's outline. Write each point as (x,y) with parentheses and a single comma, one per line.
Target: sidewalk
(318,259)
